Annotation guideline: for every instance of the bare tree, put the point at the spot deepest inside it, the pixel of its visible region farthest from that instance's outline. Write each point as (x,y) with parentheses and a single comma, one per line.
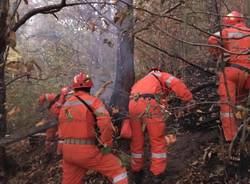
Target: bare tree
(125,58)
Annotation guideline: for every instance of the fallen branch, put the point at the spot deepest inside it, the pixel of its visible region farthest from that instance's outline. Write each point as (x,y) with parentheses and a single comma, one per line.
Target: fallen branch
(34,130)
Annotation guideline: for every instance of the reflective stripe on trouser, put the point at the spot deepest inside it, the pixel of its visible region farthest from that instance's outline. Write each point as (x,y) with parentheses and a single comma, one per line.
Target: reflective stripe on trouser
(235,80)
(78,159)
(156,131)
(120,177)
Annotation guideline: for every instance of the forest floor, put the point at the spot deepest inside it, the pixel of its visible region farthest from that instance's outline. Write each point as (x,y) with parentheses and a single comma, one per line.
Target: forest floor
(198,156)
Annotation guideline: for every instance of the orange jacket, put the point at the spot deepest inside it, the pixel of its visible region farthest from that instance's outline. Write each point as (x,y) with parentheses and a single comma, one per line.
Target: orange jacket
(165,84)
(235,40)
(76,121)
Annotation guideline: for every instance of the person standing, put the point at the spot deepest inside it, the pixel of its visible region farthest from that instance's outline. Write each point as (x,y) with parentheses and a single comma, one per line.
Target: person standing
(234,40)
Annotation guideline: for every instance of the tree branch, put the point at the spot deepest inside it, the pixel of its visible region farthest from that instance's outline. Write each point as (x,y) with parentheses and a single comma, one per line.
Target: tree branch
(49,9)
(175,56)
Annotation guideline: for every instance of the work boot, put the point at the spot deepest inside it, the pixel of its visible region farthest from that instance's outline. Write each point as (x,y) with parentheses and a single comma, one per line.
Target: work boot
(138,177)
(157,179)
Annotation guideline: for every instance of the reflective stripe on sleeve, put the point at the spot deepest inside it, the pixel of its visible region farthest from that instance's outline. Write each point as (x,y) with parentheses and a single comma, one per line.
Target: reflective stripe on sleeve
(136,155)
(169,81)
(100,111)
(74,103)
(159,155)
(226,115)
(217,34)
(120,177)
(236,35)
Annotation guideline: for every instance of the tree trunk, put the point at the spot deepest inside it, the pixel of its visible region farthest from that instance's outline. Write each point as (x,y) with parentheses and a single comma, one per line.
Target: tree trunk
(125,60)
(246,11)
(3,29)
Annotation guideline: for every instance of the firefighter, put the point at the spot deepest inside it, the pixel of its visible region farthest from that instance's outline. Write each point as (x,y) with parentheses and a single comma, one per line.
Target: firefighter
(235,40)
(147,98)
(52,103)
(79,118)
(47,102)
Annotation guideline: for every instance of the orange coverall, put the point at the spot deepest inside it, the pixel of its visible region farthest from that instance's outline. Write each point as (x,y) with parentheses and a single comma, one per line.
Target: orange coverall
(146,111)
(53,115)
(234,39)
(80,153)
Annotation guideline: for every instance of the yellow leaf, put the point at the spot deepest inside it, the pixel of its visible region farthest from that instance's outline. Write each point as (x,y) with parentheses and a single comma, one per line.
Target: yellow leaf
(240,114)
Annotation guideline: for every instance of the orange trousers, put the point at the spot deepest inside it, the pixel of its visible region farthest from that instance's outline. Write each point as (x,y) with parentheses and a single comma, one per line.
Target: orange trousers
(153,121)
(78,159)
(233,80)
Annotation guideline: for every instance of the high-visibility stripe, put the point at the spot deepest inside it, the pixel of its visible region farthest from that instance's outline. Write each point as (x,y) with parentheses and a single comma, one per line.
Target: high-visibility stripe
(101,110)
(169,80)
(159,155)
(74,103)
(136,155)
(120,177)
(226,115)
(236,35)
(226,56)
(217,34)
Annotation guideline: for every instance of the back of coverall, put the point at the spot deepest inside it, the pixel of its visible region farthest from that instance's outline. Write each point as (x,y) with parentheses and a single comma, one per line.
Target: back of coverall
(232,82)
(146,112)
(80,152)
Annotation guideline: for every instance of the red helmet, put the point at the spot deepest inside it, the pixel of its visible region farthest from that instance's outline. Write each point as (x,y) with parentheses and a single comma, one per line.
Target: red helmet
(82,81)
(233,18)
(47,97)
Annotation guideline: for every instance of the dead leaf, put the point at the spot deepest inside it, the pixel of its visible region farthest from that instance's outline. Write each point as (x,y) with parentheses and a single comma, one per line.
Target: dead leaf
(92,26)
(170,139)
(13,111)
(113,1)
(41,123)
(115,110)
(120,16)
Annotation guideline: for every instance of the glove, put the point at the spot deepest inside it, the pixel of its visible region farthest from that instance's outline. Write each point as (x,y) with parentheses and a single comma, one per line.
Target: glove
(64,91)
(105,149)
